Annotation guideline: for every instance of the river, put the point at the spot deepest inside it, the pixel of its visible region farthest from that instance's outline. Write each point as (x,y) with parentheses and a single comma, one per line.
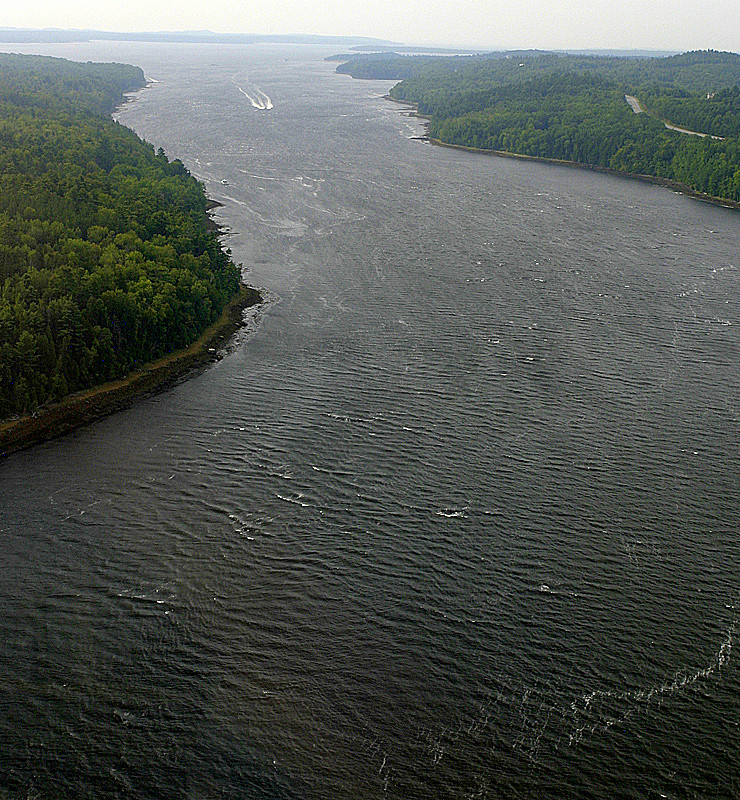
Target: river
(455,517)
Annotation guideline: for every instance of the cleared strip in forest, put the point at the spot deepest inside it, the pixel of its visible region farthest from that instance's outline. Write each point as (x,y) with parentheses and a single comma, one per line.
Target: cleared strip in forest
(638,108)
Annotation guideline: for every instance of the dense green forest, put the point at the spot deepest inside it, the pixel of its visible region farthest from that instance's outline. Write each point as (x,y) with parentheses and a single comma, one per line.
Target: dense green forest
(573,107)
(106,259)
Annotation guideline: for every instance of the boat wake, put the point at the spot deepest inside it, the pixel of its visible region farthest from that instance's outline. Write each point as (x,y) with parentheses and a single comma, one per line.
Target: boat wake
(257,98)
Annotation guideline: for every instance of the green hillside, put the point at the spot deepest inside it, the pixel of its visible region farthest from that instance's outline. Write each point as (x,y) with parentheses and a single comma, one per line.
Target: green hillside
(106,260)
(573,107)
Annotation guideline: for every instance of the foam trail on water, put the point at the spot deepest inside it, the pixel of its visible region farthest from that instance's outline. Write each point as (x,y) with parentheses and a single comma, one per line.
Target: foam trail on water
(257,98)
(589,711)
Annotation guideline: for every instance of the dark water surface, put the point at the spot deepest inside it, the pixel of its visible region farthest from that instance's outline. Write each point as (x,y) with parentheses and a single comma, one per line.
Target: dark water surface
(457,517)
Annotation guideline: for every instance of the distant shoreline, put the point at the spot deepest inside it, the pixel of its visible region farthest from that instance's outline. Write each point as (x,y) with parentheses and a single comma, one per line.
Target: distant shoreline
(87,406)
(675,186)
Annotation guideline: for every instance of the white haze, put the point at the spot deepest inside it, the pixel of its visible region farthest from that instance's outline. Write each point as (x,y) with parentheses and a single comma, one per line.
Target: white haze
(647,24)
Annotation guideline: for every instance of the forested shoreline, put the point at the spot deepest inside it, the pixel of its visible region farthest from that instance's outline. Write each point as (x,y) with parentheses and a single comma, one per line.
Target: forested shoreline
(574,108)
(106,258)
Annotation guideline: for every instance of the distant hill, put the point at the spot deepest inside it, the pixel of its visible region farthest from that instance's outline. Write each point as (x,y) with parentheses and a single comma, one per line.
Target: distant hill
(621,53)
(191,37)
(419,49)
(696,71)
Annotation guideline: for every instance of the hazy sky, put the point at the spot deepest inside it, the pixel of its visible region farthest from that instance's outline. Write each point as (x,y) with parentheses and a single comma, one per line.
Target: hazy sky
(653,24)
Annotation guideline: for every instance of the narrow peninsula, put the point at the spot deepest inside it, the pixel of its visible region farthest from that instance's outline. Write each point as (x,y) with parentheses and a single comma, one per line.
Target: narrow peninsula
(113,282)
(583,110)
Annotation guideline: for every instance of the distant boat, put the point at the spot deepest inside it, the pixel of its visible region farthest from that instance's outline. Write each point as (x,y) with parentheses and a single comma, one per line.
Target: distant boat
(225,182)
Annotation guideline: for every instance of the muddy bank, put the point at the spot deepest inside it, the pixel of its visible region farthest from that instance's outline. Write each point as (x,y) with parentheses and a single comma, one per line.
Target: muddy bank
(84,407)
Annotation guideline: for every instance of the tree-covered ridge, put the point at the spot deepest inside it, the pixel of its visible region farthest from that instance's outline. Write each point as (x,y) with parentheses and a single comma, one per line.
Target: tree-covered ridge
(573,108)
(698,71)
(55,82)
(106,261)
